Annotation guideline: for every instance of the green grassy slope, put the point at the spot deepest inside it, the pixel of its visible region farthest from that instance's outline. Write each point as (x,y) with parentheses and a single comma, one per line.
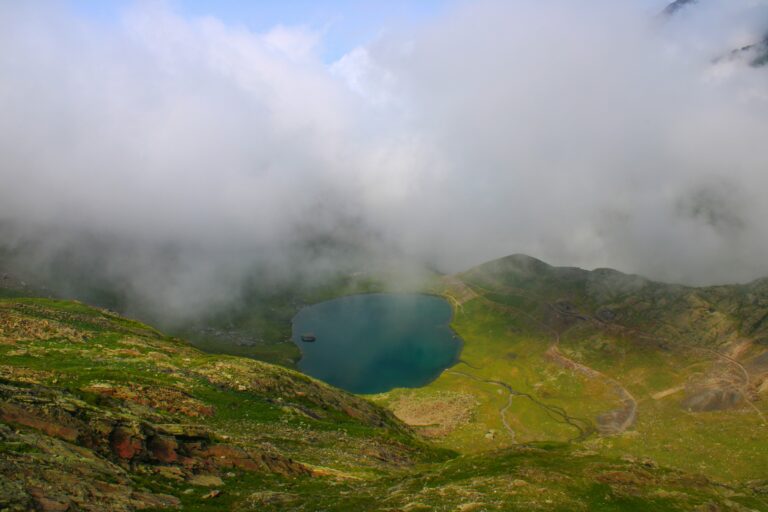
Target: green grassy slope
(98,412)
(615,364)
(259,325)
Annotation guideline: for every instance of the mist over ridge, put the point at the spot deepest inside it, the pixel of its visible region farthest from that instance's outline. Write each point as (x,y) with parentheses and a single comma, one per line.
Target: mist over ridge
(176,158)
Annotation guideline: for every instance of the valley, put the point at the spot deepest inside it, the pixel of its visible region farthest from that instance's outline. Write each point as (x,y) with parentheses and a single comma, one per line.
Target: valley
(575,390)
(259,256)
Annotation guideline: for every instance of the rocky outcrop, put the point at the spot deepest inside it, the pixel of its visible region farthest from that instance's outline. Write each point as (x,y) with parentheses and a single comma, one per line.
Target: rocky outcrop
(48,474)
(113,444)
(107,400)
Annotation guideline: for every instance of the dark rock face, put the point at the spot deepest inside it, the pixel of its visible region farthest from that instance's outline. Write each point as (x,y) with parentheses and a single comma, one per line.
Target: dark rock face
(163,449)
(125,443)
(54,475)
(676,6)
(760,53)
(755,54)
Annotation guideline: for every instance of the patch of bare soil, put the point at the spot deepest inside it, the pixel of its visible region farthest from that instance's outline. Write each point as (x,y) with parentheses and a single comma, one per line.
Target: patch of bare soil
(612,422)
(722,388)
(436,415)
(712,399)
(667,392)
(457,291)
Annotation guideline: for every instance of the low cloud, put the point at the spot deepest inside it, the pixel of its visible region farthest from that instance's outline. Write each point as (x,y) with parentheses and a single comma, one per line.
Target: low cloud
(176,158)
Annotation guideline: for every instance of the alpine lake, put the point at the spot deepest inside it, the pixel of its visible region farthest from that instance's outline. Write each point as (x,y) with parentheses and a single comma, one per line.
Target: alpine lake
(376,342)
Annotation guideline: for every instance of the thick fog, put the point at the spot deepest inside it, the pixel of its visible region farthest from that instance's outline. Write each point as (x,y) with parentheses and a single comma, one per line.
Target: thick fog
(175,158)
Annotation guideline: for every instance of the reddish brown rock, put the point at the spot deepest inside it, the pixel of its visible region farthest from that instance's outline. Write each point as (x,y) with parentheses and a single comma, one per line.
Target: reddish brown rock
(125,444)
(46,505)
(163,448)
(227,456)
(11,413)
(187,462)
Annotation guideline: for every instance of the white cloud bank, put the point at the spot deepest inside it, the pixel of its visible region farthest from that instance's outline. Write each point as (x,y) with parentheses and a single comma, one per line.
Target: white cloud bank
(590,133)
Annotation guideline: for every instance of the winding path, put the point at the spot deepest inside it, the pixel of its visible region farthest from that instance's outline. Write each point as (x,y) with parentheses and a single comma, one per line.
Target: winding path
(744,388)
(627,415)
(628,412)
(626,397)
(555,412)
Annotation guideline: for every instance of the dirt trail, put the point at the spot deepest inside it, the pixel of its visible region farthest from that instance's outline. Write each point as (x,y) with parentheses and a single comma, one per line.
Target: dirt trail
(743,388)
(555,412)
(503,410)
(457,292)
(611,423)
(667,392)
(618,421)
(614,422)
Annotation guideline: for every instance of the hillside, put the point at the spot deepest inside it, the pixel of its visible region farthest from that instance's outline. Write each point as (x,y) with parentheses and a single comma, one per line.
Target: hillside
(98,412)
(108,405)
(713,317)
(615,363)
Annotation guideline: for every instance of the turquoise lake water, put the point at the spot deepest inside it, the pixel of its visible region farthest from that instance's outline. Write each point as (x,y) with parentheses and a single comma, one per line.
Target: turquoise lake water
(373,343)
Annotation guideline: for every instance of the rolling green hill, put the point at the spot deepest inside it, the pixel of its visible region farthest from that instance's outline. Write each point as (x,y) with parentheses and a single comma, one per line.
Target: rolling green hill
(623,365)
(577,390)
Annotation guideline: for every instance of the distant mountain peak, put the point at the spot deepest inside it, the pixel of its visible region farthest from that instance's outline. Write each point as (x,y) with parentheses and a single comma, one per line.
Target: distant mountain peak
(525,260)
(757,52)
(675,6)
